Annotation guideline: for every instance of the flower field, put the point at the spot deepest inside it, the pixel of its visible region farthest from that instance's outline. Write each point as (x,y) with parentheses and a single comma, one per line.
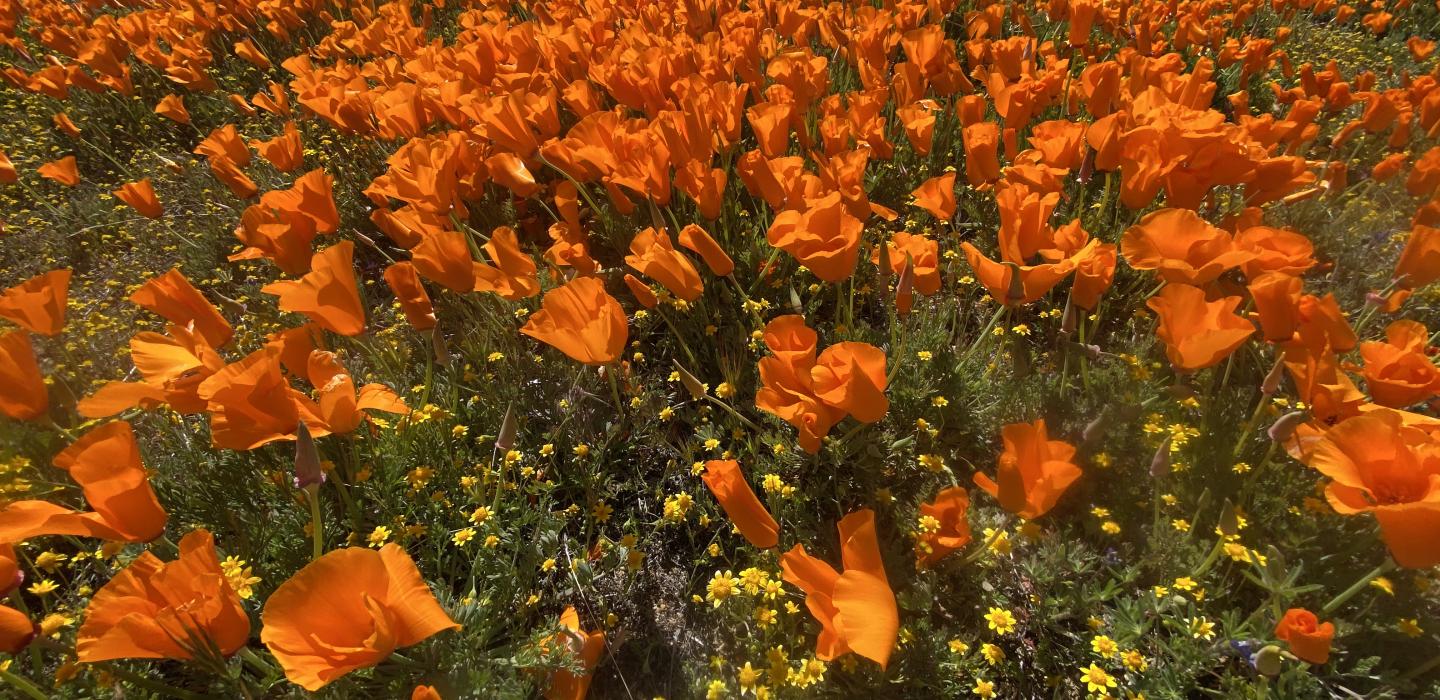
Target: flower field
(709,349)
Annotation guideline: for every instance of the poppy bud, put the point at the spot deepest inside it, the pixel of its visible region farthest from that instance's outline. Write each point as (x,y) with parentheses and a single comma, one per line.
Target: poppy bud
(1096,429)
(904,289)
(1160,463)
(1272,379)
(1068,319)
(1285,426)
(308,473)
(1267,660)
(1016,293)
(1229,524)
(795,306)
(437,344)
(506,438)
(692,385)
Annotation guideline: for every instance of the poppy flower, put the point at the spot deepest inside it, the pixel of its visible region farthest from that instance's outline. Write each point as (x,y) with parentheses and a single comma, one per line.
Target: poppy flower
(937,196)
(11,575)
(1033,471)
(172,367)
(982,159)
(1094,273)
(327,294)
(1275,250)
(1181,247)
(224,143)
(1419,262)
(410,292)
(105,462)
(1397,371)
(697,240)
(158,610)
(724,479)
(824,237)
(7,170)
(337,404)
(1308,638)
(38,304)
(174,299)
(586,647)
(1379,465)
(250,403)
(140,196)
(228,172)
(444,257)
(513,276)
(173,108)
(1012,284)
(642,292)
(282,225)
(923,256)
(23,395)
(425,692)
(581,320)
(62,171)
(285,151)
(1277,303)
(653,255)
(812,392)
(850,376)
(856,608)
(347,610)
(1197,333)
(951,530)
(16,630)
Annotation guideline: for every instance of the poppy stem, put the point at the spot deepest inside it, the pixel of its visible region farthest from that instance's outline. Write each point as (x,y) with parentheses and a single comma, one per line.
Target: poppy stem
(615,385)
(22,685)
(984,332)
(1358,586)
(317,532)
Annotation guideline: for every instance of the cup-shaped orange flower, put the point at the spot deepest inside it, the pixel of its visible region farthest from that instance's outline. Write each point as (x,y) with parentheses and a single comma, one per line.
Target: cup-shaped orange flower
(405,282)
(923,255)
(176,300)
(581,320)
(1032,472)
(1013,284)
(23,395)
(327,293)
(724,479)
(1197,333)
(814,393)
(63,171)
(338,405)
(159,610)
(1181,247)
(1378,464)
(17,630)
(105,462)
(653,254)
(1275,250)
(11,575)
(1419,262)
(586,647)
(937,196)
(824,237)
(982,152)
(698,240)
(250,402)
(513,274)
(348,610)
(850,377)
(1397,371)
(944,526)
(140,195)
(38,304)
(856,609)
(1308,638)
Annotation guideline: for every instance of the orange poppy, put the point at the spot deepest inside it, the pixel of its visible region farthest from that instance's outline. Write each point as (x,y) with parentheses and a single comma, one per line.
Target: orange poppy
(1419,262)
(1181,247)
(250,403)
(173,108)
(174,299)
(724,479)
(140,196)
(514,274)
(850,376)
(285,151)
(105,462)
(228,172)
(951,530)
(1379,465)
(338,406)
(16,630)
(586,647)
(653,255)
(824,237)
(444,257)
(224,143)
(23,395)
(937,196)
(1275,250)
(160,610)
(1308,638)
(581,320)
(62,171)
(1013,284)
(405,282)
(920,253)
(425,692)
(38,304)
(642,292)
(1197,333)
(284,223)
(171,367)
(327,294)
(697,240)
(1033,471)
(1094,274)
(11,575)
(856,609)
(982,159)
(1277,303)
(812,392)
(349,610)
(7,170)
(1398,371)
